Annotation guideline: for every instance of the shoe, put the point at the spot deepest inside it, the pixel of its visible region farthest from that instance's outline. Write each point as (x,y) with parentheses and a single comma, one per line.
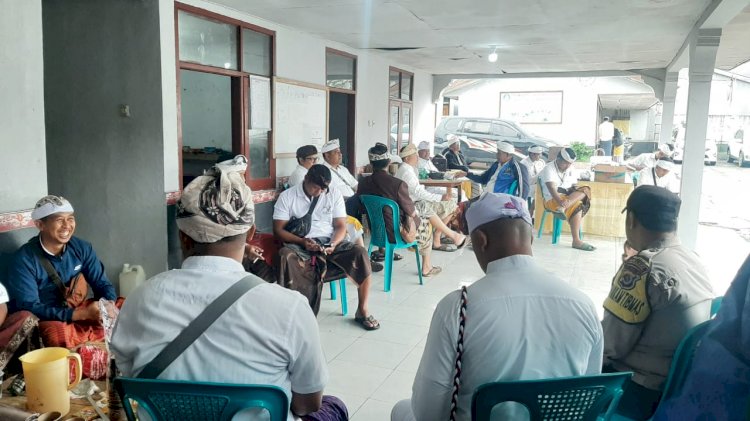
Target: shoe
(376,267)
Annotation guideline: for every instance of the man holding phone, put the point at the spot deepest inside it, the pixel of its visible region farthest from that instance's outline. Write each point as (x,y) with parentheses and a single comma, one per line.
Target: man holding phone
(310,219)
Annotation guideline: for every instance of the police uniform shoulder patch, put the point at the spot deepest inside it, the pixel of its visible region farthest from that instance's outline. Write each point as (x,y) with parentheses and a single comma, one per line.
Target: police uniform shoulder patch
(628,299)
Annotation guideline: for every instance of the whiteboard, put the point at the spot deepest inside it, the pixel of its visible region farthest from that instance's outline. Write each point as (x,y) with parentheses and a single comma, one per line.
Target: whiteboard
(300,117)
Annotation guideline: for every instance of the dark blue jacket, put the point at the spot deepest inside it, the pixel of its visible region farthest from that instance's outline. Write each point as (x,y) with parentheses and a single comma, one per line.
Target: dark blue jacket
(31,288)
(520,173)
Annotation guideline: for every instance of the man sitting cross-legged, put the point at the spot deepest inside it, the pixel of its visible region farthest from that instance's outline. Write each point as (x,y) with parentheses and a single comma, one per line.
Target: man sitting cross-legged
(310,219)
(267,336)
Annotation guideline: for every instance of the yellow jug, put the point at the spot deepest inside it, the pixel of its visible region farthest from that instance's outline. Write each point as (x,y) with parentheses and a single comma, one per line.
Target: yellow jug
(48,380)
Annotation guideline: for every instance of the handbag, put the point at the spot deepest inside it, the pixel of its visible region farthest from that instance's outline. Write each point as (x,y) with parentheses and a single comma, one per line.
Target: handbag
(301,226)
(195,329)
(74,294)
(459,352)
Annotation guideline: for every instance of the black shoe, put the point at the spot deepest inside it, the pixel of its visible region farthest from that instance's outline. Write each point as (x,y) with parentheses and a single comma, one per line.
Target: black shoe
(376,267)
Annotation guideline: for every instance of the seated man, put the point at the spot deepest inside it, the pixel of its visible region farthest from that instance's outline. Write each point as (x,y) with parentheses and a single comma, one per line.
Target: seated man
(440,210)
(521,322)
(50,277)
(381,183)
(341,178)
(662,175)
(426,165)
(563,197)
(501,175)
(454,156)
(656,297)
(267,336)
(648,160)
(307,156)
(318,216)
(717,383)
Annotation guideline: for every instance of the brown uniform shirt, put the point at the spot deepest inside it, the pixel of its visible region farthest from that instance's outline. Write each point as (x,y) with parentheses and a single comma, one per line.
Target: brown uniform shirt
(382,184)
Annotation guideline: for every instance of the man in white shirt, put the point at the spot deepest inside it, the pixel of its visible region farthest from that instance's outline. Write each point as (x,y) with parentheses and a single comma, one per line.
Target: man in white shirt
(307,156)
(323,238)
(662,175)
(425,164)
(268,336)
(522,322)
(341,178)
(606,133)
(534,164)
(563,197)
(440,210)
(648,160)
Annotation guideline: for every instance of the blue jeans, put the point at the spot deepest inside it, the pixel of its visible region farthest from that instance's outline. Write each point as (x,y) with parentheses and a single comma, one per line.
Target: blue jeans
(607,146)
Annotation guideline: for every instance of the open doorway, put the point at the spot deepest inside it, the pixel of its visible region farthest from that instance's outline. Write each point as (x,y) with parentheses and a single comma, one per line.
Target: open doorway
(341,114)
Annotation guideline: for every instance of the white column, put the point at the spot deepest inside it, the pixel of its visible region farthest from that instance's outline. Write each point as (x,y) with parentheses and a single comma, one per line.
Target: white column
(667,108)
(702,60)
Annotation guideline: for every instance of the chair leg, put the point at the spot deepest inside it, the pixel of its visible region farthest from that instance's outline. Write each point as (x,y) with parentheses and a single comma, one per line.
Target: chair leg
(388,268)
(344,302)
(556,230)
(332,285)
(419,264)
(541,224)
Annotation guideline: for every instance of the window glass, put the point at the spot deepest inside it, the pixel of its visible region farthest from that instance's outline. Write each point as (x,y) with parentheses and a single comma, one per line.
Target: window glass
(474,126)
(452,124)
(503,130)
(340,71)
(406,81)
(205,41)
(394,84)
(256,52)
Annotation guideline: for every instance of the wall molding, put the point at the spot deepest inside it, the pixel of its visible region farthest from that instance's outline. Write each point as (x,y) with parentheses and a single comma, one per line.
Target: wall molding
(11,221)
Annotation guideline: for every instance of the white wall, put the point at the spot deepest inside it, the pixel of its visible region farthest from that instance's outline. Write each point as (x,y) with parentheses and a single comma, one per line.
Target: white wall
(23,161)
(301,57)
(638,124)
(169,95)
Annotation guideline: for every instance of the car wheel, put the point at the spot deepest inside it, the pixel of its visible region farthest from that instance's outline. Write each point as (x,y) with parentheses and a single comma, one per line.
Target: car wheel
(730,159)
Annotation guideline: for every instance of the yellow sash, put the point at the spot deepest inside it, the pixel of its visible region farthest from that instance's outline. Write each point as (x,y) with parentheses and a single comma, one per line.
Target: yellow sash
(628,298)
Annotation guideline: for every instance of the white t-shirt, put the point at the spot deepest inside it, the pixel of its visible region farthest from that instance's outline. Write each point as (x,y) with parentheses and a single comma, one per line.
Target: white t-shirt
(669,181)
(3,294)
(551,173)
(417,192)
(269,336)
(293,202)
(427,165)
(606,130)
(644,160)
(298,176)
(342,180)
(534,167)
(522,323)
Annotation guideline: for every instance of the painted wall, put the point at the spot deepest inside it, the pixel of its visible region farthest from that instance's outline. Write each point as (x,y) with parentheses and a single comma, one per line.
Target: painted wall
(110,166)
(23,163)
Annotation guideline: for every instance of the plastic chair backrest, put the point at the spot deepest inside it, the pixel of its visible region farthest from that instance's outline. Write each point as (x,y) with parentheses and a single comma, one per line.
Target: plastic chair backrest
(682,359)
(375,206)
(568,398)
(513,187)
(716,305)
(198,401)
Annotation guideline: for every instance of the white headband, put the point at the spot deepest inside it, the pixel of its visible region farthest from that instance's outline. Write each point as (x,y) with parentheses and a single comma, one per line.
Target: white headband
(665,165)
(506,147)
(566,156)
(49,205)
(331,145)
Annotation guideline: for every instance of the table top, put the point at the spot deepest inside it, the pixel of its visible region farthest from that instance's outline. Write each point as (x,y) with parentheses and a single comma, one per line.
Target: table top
(453,182)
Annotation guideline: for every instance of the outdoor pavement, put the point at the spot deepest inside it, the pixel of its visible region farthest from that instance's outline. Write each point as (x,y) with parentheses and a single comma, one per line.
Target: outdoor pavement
(371,371)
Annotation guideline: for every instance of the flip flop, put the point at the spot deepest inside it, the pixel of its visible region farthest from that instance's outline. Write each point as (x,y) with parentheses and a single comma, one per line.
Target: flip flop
(463,243)
(447,240)
(368,323)
(585,247)
(434,271)
(445,247)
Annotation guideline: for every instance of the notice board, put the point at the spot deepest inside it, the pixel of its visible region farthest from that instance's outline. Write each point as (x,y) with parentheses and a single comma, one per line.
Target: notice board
(300,116)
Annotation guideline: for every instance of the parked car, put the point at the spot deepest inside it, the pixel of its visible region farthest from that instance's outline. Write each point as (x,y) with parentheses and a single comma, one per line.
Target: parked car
(739,147)
(491,130)
(477,151)
(709,156)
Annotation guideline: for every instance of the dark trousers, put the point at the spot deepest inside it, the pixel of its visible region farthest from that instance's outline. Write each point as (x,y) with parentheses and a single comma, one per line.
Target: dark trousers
(637,402)
(607,146)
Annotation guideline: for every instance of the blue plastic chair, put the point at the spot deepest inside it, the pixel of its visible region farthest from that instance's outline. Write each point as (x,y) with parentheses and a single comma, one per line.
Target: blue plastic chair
(379,237)
(568,398)
(716,305)
(342,285)
(557,224)
(167,400)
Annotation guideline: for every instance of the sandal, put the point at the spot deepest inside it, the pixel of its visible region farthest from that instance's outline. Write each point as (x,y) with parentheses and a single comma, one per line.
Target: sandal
(447,240)
(463,243)
(434,271)
(446,247)
(585,247)
(379,256)
(376,267)
(368,323)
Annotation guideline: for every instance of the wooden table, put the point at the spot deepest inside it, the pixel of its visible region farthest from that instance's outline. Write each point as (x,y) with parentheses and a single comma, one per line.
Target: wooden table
(605,216)
(78,407)
(457,183)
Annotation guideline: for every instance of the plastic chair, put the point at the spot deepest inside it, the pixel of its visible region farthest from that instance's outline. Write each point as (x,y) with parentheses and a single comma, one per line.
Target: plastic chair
(198,401)
(379,236)
(716,305)
(342,285)
(557,224)
(568,398)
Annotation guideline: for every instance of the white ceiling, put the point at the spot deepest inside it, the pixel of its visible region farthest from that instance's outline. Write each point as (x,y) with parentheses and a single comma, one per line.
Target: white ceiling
(734,48)
(531,36)
(627,101)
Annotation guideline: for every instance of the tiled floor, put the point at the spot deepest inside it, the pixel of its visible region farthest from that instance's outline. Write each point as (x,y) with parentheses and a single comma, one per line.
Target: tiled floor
(371,371)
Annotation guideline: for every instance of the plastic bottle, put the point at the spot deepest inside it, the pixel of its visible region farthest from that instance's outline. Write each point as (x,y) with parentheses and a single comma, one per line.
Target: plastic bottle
(130,278)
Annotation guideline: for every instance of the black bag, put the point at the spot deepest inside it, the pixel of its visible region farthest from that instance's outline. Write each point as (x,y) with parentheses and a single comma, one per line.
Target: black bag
(440,162)
(301,226)
(617,138)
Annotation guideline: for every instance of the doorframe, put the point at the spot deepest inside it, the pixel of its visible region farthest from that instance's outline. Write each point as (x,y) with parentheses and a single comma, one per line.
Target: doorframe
(351,147)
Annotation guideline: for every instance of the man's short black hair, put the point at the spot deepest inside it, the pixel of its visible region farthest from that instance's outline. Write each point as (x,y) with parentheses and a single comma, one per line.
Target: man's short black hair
(305,151)
(379,149)
(320,175)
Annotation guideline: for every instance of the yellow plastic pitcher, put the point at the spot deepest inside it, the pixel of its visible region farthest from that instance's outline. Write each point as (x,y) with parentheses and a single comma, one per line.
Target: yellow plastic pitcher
(47,379)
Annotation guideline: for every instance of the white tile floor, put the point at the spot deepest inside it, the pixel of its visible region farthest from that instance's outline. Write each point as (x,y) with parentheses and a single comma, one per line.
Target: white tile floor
(371,371)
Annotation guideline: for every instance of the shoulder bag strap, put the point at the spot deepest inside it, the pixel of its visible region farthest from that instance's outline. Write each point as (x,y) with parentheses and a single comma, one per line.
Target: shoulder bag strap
(312,206)
(199,325)
(459,353)
(47,265)
(653,174)
(342,178)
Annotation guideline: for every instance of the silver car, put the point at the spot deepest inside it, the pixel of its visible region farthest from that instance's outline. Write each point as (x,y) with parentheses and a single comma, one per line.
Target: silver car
(490,130)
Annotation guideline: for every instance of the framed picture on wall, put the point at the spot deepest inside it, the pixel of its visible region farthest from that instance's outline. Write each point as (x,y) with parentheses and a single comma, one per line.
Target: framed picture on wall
(544,107)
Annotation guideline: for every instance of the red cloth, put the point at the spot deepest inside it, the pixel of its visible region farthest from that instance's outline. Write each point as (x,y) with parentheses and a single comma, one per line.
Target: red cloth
(70,335)
(268,243)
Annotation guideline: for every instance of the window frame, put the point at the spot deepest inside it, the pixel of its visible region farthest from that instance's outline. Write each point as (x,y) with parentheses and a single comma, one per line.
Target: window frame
(336,52)
(400,103)
(242,129)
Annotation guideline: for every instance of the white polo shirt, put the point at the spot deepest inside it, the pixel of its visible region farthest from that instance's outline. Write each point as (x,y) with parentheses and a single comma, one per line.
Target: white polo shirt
(342,179)
(551,173)
(293,202)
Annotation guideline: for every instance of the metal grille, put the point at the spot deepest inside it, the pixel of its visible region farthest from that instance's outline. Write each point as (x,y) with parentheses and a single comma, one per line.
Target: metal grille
(182,407)
(568,405)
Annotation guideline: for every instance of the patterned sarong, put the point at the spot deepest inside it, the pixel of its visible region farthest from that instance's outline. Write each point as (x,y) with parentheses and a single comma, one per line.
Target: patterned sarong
(582,205)
(70,335)
(18,329)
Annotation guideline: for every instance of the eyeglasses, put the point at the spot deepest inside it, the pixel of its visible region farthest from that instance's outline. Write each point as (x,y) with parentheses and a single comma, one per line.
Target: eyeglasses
(312,158)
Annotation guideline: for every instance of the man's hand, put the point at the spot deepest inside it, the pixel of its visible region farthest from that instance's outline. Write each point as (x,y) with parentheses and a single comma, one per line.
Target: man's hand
(329,250)
(447,196)
(564,204)
(311,245)
(90,312)
(253,252)
(460,174)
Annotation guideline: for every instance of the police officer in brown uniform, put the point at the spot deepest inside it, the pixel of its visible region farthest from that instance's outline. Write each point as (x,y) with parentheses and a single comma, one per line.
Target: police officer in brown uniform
(656,297)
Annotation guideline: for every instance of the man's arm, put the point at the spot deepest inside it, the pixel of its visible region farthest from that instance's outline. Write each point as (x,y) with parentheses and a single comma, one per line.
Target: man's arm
(619,337)
(306,404)
(23,279)
(453,164)
(552,188)
(524,183)
(3,313)
(307,366)
(483,178)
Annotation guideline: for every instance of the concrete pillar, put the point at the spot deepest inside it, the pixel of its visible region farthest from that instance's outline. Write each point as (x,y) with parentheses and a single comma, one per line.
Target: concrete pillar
(667,109)
(702,60)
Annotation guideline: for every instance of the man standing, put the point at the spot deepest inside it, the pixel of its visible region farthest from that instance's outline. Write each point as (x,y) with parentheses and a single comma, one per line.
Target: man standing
(307,156)
(318,229)
(661,175)
(499,178)
(521,322)
(50,277)
(563,197)
(606,134)
(267,336)
(656,297)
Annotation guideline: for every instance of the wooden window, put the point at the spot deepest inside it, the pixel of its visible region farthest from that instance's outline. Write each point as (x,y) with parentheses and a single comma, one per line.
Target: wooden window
(341,70)
(400,87)
(400,84)
(225,68)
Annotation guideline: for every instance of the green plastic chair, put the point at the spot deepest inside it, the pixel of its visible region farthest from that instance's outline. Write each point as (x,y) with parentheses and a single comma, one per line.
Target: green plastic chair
(585,398)
(342,285)
(167,400)
(716,305)
(379,236)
